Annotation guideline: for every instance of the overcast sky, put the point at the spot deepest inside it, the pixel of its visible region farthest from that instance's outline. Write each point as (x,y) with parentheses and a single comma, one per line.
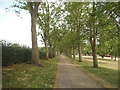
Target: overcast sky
(14,28)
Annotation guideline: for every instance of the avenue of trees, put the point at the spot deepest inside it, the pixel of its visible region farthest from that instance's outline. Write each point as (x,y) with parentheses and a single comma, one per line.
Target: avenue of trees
(72,28)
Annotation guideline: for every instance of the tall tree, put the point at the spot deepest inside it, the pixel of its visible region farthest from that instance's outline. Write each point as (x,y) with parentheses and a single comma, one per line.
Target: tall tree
(43,22)
(93,38)
(33,7)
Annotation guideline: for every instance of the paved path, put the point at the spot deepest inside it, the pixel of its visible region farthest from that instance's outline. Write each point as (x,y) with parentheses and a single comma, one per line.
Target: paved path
(69,76)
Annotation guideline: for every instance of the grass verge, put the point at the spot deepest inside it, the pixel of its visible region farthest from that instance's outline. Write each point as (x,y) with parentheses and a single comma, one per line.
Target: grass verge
(107,78)
(30,76)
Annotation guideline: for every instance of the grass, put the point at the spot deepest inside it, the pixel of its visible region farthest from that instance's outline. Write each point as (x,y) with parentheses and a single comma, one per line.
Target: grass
(31,76)
(108,78)
(107,63)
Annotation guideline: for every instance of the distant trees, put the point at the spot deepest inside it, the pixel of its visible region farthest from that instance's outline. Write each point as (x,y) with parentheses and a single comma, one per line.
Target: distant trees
(48,21)
(94,23)
(75,19)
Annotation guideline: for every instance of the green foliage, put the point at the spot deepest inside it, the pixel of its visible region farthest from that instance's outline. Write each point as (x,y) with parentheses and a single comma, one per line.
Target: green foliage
(31,76)
(105,24)
(86,48)
(42,53)
(50,13)
(14,53)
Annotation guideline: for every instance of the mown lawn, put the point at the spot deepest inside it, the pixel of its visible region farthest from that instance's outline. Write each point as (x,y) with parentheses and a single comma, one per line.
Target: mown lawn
(104,62)
(108,78)
(31,76)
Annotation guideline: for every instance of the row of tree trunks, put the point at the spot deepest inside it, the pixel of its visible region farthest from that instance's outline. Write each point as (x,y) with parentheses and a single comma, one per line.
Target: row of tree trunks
(69,53)
(53,51)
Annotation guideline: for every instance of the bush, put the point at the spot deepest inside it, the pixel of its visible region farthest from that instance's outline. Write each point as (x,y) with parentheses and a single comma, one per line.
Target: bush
(42,53)
(14,53)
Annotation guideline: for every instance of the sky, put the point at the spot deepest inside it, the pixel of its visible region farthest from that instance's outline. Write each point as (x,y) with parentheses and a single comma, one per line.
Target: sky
(13,28)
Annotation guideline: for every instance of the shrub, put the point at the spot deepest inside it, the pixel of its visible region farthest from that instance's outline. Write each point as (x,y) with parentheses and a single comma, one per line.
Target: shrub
(14,53)
(42,53)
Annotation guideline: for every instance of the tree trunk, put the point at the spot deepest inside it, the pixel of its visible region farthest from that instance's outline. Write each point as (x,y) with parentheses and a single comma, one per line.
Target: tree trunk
(115,58)
(70,53)
(93,47)
(95,62)
(51,52)
(54,51)
(48,27)
(35,56)
(73,53)
(46,49)
(79,51)
(33,12)
(58,52)
(102,56)
(111,57)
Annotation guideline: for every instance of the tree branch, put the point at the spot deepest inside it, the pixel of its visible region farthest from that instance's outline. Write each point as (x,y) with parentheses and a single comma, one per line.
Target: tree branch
(30,6)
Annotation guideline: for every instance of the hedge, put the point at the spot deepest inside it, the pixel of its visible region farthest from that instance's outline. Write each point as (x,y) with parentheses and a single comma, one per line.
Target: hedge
(14,53)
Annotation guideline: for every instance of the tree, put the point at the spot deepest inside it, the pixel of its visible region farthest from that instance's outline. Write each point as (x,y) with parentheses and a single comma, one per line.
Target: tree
(43,23)
(101,21)
(93,37)
(32,7)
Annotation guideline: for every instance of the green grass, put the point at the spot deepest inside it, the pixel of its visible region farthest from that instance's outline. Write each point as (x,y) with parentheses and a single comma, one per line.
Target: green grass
(108,78)
(31,76)
(107,63)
